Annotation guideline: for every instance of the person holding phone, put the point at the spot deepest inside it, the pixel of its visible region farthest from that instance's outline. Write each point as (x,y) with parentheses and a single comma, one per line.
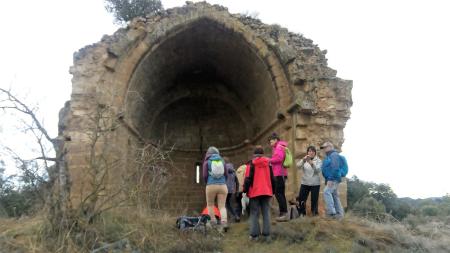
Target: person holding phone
(311,167)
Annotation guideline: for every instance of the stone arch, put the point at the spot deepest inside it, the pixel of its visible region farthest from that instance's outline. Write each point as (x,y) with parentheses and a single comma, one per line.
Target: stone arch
(225,27)
(164,31)
(155,67)
(188,62)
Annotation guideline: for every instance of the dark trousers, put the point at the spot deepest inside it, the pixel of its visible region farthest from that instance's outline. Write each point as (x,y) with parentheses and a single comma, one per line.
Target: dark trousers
(239,204)
(279,194)
(228,204)
(256,204)
(303,196)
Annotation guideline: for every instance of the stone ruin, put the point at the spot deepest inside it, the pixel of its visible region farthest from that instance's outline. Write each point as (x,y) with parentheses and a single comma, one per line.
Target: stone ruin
(195,76)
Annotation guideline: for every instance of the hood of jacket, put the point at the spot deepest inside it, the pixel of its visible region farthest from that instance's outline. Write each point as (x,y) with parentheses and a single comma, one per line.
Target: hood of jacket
(283,144)
(257,161)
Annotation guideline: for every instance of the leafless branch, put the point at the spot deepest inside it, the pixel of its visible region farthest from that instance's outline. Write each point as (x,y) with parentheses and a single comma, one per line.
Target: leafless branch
(52,159)
(18,105)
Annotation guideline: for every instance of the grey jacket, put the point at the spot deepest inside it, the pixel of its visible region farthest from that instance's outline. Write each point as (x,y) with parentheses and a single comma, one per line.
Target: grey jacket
(311,174)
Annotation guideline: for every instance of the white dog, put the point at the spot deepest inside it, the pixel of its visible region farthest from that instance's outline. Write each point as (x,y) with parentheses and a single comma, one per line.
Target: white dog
(245,202)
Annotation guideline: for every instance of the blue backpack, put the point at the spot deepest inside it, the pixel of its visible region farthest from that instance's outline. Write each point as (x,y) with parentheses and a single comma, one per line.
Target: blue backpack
(343,166)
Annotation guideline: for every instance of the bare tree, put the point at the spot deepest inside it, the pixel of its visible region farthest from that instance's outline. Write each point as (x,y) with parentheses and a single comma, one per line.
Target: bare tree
(52,157)
(151,175)
(11,102)
(143,184)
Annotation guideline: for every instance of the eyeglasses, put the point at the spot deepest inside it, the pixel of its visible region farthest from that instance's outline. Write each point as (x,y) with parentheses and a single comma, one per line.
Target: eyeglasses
(324,147)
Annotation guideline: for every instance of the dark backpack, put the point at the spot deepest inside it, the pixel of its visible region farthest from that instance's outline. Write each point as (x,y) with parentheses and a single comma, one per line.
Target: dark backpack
(186,223)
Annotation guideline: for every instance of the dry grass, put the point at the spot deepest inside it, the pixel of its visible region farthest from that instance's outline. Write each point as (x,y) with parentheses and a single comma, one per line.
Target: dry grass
(149,232)
(156,232)
(352,234)
(20,235)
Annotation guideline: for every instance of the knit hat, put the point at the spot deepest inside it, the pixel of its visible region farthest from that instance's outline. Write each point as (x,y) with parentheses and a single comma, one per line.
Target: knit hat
(212,150)
(274,136)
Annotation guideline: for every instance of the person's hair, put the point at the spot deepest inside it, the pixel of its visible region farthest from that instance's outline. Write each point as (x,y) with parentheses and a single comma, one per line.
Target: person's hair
(274,136)
(312,148)
(259,150)
(212,150)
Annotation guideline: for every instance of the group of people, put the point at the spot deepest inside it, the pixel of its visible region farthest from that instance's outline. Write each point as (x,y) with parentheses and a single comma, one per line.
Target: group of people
(262,177)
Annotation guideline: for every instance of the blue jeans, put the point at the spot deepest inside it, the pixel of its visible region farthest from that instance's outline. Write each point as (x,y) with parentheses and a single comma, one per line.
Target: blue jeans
(331,197)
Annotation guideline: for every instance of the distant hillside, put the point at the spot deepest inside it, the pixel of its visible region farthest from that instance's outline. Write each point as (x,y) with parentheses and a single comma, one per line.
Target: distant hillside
(421,202)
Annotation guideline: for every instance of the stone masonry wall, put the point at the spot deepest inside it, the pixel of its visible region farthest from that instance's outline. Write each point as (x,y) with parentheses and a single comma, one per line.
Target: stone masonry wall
(312,104)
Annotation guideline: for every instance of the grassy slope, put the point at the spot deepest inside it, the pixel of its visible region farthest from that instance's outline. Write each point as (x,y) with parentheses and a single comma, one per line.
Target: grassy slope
(312,235)
(302,235)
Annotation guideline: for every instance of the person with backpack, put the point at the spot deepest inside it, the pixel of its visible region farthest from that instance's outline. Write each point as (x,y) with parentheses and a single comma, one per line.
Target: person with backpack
(258,185)
(232,184)
(311,166)
(333,168)
(215,176)
(280,172)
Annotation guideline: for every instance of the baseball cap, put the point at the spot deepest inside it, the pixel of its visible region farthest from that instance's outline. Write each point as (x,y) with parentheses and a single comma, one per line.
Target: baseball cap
(325,144)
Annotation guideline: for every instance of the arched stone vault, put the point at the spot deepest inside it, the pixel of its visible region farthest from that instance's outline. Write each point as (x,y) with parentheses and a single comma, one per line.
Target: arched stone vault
(196,76)
(209,61)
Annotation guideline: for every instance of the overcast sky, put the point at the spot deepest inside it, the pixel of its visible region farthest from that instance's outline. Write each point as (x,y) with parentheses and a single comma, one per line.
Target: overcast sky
(396,52)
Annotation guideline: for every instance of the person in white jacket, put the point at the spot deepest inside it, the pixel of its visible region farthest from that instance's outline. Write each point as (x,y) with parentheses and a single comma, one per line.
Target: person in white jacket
(311,167)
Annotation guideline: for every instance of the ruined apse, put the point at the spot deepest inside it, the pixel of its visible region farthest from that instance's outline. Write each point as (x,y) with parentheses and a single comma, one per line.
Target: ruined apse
(197,76)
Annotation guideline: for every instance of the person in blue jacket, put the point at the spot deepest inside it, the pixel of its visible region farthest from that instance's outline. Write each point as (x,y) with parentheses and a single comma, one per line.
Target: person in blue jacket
(332,174)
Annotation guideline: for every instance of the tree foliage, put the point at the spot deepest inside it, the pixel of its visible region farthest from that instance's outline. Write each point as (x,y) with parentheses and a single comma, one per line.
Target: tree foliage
(125,10)
(23,194)
(360,192)
(356,190)
(371,208)
(429,210)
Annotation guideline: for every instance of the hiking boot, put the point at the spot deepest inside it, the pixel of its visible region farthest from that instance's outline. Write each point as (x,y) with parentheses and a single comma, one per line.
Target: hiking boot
(334,216)
(237,219)
(339,217)
(282,218)
(253,238)
(225,227)
(267,239)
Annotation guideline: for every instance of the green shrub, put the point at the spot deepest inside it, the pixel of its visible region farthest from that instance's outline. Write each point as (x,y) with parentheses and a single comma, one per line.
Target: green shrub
(414,221)
(429,210)
(370,208)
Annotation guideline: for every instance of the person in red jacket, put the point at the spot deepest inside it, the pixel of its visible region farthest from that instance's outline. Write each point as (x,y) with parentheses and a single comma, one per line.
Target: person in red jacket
(258,184)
